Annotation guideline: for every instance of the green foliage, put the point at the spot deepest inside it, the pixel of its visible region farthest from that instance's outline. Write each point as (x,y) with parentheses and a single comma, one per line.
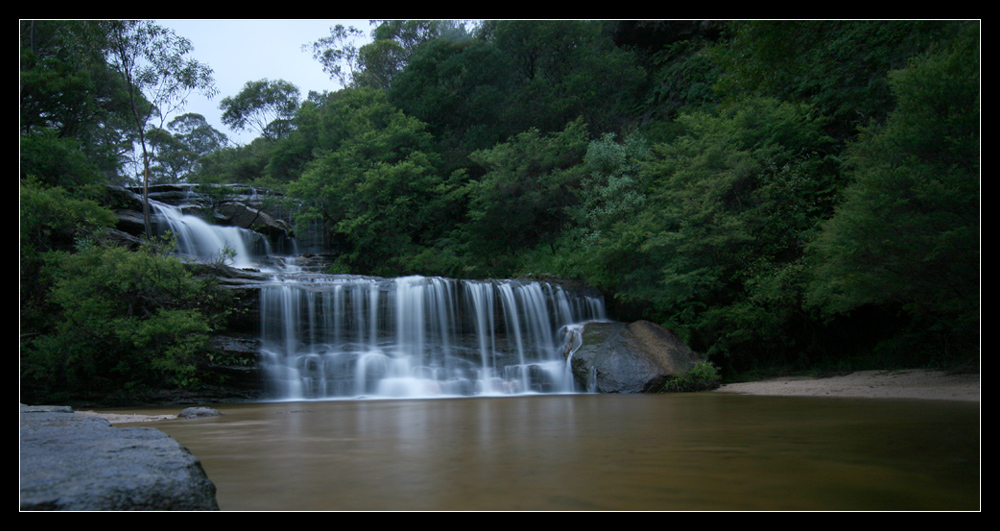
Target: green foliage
(683,78)
(524,198)
(612,193)
(703,376)
(376,64)
(57,161)
(264,106)
(74,109)
(459,89)
(907,233)
(123,320)
(337,53)
(711,241)
(561,71)
(154,63)
(179,153)
(377,187)
(51,219)
(840,67)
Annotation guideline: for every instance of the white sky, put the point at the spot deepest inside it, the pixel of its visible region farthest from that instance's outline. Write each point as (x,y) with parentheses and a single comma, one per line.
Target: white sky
(249,50)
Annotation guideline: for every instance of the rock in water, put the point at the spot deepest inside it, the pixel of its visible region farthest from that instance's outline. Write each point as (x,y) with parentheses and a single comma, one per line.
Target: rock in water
(630,358)
(195,412)
(74,462)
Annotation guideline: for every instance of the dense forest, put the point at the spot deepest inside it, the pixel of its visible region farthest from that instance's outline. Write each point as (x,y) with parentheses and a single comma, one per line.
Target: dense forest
(789,194)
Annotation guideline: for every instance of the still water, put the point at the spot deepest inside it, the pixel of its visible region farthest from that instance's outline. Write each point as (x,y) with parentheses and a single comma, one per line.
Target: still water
(702,451)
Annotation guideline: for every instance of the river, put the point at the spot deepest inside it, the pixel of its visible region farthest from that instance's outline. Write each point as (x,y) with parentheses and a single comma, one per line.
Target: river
(577,452)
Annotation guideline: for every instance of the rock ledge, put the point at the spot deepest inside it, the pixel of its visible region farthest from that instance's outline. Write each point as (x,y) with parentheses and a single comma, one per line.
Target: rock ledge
(77,462)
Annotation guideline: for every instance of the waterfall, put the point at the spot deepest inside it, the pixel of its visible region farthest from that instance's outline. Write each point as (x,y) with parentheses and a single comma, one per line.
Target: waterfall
(349,336)
(330,336)
(203,242)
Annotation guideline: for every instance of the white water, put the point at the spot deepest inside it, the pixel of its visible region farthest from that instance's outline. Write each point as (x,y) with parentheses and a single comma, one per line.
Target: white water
(203,242)
(348,336)
(326,336)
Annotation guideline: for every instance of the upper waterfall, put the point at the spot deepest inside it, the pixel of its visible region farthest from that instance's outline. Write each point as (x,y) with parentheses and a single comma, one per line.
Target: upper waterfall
(203,242)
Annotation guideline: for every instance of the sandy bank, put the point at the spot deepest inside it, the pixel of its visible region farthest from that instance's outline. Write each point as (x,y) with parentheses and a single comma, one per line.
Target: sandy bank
(924,384)
(115,418)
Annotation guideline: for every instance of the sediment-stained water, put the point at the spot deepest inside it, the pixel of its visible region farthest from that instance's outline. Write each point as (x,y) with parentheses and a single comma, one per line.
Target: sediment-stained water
(699,451)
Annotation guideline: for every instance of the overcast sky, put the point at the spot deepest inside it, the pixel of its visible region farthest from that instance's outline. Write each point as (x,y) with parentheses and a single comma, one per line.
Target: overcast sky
(249,50)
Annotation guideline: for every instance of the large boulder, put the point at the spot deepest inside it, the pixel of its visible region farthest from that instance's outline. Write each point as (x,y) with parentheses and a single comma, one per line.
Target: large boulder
(639,357)
(75,462)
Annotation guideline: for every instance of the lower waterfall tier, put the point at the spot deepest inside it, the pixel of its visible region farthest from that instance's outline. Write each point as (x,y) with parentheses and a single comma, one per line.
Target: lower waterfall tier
(347,336)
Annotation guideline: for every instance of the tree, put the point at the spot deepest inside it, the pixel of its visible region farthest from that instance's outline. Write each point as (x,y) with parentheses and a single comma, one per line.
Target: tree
(264,106)
(195,132)
(460,89)
(376,184)
(375,64)
(74,110)
(51,219)
(560,70)
(179,150)
(839,66)
(394,42)
(524,198)
(338,53)
(907,234)
(707,233)
(158,77)
(611,194)
(121,320)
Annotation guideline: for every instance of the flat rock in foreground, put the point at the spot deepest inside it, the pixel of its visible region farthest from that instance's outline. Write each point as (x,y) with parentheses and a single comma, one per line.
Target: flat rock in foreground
(80,463)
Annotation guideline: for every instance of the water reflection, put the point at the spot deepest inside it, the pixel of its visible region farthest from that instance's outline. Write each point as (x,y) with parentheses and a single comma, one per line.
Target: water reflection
(592,452)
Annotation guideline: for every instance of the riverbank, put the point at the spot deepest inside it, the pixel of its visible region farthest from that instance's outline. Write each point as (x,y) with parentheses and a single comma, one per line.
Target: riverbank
(916,383)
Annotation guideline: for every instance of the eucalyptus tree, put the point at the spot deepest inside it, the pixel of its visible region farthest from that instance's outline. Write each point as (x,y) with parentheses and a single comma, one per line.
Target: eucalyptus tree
(180,148)
(338,53)
(195,132)
(158,74)
(376,63)
(264,106)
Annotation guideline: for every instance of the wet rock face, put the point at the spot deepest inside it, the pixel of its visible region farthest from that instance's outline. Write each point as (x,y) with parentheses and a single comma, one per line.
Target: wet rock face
(629,358)
(73,462)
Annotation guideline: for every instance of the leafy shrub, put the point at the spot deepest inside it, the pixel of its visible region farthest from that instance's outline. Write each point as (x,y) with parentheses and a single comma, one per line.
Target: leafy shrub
(122,321)
(704,376)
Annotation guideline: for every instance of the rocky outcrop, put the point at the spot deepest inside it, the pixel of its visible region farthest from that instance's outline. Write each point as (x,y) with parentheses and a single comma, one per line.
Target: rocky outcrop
(639,357)
(228,205)
(76,462)
(241,215)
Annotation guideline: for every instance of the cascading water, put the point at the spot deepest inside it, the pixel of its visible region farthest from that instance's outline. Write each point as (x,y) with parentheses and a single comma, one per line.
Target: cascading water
(203,242)
(348,336)
(328,336)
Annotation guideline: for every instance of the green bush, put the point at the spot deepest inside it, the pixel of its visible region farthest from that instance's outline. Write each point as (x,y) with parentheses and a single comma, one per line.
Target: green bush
(704,376)
(121,321)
